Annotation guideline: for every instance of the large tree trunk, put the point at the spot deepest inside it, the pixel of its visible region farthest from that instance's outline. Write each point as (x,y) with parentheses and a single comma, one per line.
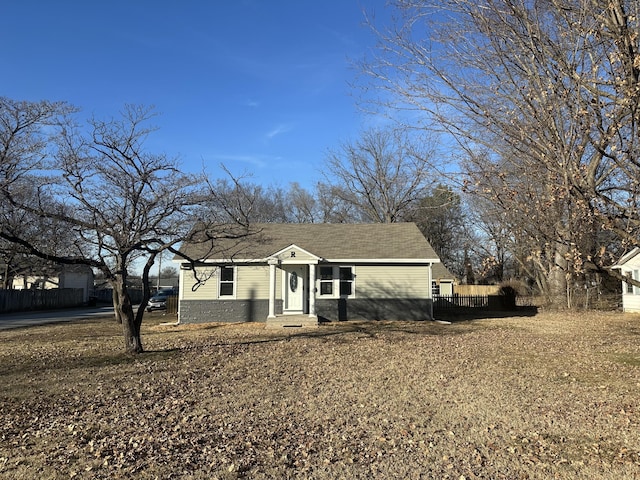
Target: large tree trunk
(7,280)
(146,293)
(124,311)
(114,300)
(557,278)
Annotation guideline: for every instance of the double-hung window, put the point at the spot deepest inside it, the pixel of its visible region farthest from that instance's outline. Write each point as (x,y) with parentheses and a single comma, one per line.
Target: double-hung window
(628,284)
(336,281)
(326,281)
(227,281)
(346,281)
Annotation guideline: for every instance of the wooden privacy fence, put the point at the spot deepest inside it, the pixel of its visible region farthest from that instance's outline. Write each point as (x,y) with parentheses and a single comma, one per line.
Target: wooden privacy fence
(477,289)
(172,304)
(22,300)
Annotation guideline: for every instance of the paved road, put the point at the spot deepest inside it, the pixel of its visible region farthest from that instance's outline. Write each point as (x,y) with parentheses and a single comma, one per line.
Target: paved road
(27,319)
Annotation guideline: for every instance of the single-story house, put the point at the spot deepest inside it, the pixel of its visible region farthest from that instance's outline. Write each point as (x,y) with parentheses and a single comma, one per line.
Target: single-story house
(302,273)
(629,266)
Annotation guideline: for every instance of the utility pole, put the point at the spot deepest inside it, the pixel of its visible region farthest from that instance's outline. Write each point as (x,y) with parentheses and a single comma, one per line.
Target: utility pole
(159,270)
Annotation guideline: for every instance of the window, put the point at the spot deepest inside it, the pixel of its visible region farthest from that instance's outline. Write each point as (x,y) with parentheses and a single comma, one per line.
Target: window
(226,281)
(435,289)
(326,280)
(336,281)
(629,288)
(346,281)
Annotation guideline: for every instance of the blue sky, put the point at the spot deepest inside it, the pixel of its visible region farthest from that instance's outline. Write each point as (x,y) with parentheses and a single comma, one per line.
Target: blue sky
(261,86)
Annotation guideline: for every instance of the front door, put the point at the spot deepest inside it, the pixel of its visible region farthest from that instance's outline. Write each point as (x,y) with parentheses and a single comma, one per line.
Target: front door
(294,288)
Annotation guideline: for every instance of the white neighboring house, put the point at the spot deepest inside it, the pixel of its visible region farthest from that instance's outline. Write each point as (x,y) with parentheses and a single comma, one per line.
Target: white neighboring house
(68,276)
(442,281)
(629,266)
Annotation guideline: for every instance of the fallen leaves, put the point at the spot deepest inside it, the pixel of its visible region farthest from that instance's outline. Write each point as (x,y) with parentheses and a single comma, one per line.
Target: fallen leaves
(468,401)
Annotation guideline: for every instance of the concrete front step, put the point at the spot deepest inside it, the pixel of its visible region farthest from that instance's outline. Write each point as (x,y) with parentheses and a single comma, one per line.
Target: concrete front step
(292,321)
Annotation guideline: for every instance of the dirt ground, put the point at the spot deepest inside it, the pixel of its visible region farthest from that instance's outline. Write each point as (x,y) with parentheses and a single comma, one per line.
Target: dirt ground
(555,395)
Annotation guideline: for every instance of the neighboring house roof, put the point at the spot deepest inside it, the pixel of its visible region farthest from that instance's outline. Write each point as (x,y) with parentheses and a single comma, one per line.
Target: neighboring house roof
(50,270)
(440,272)
(390,241)
(626,258)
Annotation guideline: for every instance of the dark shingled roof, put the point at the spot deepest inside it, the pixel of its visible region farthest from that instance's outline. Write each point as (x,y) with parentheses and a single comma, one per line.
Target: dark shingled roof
(397,241)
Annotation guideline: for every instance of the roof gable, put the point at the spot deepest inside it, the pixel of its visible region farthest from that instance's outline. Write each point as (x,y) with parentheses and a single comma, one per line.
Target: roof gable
(627,258)
(332,242)
(441,272)
(295,254)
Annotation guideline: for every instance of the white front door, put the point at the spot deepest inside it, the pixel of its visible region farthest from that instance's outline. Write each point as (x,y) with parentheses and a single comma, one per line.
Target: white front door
(294,288)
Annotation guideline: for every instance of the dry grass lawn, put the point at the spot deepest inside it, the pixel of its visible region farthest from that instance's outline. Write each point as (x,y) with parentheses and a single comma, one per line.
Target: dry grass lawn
(555,395)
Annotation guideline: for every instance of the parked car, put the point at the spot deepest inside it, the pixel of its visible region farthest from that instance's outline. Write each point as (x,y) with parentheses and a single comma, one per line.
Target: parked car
(157,302)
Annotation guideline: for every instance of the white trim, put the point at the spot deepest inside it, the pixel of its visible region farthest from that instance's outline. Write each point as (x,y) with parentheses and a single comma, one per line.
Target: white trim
(272,290)
(290,247)
(355,261)
(626,257)
(335,281)
(234,282)
(420,261)
(312,290)
(228,261)
(304,277)
(298,262)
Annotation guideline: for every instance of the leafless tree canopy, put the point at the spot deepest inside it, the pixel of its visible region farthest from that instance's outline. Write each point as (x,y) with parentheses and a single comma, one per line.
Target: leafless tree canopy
(441,218)
(101,198)
(543,96)
(382,175)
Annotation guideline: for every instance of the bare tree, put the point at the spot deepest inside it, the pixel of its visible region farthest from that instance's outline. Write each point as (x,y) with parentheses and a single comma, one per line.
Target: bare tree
(119,201)
(547,91)
(441,219)
(303,205)
(237,200)
(382,175)
(25,136)
(492,243)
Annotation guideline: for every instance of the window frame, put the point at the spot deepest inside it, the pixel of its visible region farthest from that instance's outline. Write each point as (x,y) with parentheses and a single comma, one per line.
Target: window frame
(345,281)
(628,285)
(225,282)
(325,282)
(336,283)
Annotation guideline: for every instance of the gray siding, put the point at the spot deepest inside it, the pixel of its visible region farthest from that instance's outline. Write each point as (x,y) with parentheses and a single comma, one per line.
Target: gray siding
(204,311)
(374,309)
(392,281)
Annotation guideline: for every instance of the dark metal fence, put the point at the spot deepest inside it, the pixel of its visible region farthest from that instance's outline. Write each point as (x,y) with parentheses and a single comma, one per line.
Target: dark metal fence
(460,302)
(24,300)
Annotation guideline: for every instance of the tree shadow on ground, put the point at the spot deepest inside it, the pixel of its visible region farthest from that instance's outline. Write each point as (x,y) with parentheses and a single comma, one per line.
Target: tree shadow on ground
(351,330)
(468,314)
(448,323)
